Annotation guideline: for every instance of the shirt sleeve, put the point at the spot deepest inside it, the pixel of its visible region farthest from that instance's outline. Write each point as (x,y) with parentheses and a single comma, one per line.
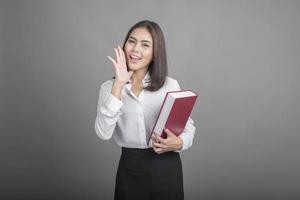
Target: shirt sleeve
(108,110)
(188,133)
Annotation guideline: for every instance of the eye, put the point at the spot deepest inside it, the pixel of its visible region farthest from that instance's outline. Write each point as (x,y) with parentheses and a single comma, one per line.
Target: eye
(130,41)
(145,45)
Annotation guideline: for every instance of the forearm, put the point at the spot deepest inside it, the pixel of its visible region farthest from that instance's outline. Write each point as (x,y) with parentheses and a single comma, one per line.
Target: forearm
(105,127)
(108,111)
(117,89)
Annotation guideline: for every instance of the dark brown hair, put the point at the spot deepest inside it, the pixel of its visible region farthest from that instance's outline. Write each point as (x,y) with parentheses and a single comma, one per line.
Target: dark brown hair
(157,68)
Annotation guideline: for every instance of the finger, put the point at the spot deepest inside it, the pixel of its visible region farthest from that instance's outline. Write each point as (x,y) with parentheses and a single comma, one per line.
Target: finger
(117,55)
(168,132)
(155,149)
(153,141)
(160,139)
(112,60)
(159,150)
(159,145)
(121,54)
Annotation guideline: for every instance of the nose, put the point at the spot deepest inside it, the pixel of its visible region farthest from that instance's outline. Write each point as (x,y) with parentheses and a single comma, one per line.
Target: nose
(136,47)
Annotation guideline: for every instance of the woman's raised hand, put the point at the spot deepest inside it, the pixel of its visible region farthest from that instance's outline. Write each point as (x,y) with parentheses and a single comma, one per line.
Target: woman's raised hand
(122,75)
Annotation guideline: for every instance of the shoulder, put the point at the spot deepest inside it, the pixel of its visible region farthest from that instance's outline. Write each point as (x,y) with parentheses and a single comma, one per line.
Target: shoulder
(171,83)
(170,80)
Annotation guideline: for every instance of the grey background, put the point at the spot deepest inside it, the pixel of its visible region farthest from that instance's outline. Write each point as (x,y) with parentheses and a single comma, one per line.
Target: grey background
(242,57)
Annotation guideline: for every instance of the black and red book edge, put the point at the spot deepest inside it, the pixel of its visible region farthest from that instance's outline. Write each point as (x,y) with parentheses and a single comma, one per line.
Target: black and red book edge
(162,107)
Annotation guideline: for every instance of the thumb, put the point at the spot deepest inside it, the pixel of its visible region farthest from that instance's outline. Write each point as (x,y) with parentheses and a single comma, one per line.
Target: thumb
(169,133)
(112,60)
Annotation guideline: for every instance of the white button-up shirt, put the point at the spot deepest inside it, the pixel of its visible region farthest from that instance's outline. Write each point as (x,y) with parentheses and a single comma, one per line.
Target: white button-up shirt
(131,119)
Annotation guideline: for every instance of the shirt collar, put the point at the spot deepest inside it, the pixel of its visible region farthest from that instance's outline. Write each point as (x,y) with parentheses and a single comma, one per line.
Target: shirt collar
(146,80)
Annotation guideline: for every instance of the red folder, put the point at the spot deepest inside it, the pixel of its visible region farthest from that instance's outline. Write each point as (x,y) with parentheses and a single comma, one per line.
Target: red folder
(174,112)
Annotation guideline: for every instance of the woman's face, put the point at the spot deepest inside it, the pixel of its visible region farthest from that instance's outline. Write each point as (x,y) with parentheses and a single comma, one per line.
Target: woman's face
(139,49)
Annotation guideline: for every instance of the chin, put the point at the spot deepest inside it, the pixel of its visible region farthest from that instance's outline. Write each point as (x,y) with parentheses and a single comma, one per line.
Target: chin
(134,67)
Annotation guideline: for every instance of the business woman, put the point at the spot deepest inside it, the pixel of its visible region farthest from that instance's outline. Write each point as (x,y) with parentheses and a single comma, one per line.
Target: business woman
(127,109)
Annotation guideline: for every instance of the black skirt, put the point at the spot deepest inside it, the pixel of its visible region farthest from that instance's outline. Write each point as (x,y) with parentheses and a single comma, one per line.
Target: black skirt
(143,174)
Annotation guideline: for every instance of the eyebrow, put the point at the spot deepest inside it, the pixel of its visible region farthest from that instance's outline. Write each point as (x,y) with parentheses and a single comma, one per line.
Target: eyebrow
(131,37)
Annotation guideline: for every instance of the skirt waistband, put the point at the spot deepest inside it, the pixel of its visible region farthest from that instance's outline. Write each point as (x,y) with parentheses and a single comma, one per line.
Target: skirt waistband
(144,152)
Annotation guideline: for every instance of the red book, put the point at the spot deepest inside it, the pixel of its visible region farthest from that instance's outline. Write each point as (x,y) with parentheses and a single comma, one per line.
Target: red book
(174,112)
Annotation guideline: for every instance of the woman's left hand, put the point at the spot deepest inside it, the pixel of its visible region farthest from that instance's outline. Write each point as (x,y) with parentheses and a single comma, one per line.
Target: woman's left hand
(171,143)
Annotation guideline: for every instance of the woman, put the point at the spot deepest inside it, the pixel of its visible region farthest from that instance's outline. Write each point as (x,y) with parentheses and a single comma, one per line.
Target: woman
(127,109)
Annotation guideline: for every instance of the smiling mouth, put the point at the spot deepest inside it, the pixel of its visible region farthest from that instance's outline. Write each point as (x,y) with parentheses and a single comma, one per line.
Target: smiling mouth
(134,59)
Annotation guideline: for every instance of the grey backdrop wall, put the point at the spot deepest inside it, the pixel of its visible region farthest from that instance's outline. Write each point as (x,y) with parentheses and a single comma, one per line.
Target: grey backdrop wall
(241,56)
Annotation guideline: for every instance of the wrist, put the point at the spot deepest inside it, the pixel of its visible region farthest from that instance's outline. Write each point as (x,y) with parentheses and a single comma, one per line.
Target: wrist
(117,89)
(179,144)
(119,83)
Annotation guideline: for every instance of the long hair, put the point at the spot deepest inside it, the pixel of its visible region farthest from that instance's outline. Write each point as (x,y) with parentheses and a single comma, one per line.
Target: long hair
(158,69)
